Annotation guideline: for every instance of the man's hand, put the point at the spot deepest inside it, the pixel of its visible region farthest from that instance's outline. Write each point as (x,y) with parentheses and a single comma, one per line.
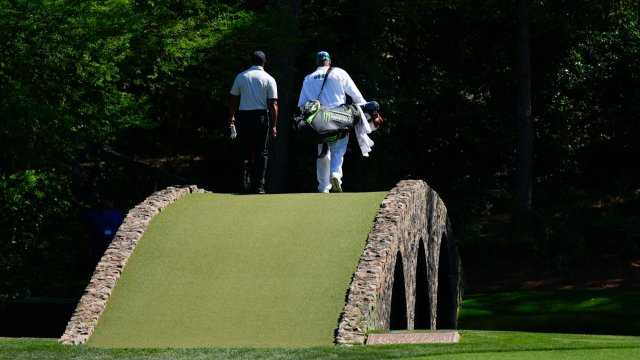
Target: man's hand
(232,132)
(274,132)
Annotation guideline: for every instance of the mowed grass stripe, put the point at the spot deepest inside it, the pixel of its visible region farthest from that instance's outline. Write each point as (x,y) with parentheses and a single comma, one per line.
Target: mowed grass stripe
(221,270)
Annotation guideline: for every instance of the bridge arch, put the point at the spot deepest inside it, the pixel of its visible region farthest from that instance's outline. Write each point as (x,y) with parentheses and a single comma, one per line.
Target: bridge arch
(398,314)
(422,319)
(411,232)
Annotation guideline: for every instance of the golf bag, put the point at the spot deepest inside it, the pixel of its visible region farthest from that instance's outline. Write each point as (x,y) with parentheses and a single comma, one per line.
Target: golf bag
(318,124)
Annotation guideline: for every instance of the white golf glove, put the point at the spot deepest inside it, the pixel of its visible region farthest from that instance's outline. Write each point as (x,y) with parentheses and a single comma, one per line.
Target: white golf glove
(232,132)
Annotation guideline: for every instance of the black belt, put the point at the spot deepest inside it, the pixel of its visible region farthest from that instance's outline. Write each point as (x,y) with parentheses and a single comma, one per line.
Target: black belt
(257,111)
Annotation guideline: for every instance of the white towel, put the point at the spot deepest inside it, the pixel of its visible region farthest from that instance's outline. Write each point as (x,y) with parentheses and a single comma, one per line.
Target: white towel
(362,130)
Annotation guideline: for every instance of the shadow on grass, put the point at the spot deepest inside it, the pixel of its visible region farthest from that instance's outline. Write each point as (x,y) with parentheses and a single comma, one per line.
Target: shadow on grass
(606,312)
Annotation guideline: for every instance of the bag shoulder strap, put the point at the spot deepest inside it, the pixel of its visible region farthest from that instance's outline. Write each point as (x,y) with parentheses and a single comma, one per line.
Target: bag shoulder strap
(323,82)
(325,145)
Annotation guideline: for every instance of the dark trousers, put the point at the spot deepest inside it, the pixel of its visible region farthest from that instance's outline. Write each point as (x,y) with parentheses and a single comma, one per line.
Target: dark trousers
(253,138)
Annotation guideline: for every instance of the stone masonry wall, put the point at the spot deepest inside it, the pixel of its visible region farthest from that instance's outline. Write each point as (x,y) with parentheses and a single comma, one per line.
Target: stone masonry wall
(412,212)
(93,302)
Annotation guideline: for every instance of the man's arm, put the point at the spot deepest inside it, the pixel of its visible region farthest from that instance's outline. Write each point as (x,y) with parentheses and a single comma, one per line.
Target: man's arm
(351,89)
(273,116)
(302,99)
(233,105)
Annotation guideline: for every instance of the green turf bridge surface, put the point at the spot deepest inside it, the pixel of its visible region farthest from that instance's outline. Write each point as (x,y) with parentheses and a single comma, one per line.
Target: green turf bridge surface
(222,270)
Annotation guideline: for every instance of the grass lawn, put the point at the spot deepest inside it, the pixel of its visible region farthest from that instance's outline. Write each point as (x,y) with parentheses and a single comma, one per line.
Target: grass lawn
(222,270)
(612,312)
(473,345)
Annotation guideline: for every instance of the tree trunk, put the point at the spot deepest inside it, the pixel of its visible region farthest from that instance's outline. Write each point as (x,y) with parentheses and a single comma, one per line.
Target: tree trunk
(281,60)
(524,149)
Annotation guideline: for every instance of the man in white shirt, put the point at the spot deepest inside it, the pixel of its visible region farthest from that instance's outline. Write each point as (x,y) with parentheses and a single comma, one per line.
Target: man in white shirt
(334,93)
(255,95)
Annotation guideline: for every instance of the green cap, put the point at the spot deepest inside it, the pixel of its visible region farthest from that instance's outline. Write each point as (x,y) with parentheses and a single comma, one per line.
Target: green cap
(322,56)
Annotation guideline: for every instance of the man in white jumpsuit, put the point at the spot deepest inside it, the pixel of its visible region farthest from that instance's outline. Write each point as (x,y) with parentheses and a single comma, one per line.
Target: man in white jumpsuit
(334,93)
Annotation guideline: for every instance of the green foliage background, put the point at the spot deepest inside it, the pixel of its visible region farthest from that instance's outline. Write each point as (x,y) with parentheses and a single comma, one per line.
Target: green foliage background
(150,79)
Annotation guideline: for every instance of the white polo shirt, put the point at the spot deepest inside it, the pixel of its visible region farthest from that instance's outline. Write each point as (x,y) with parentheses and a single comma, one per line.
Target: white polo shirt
(254,86)
(338,85)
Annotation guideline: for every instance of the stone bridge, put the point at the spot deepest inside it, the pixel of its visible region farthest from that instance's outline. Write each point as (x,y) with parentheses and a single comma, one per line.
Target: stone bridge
(409,275)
